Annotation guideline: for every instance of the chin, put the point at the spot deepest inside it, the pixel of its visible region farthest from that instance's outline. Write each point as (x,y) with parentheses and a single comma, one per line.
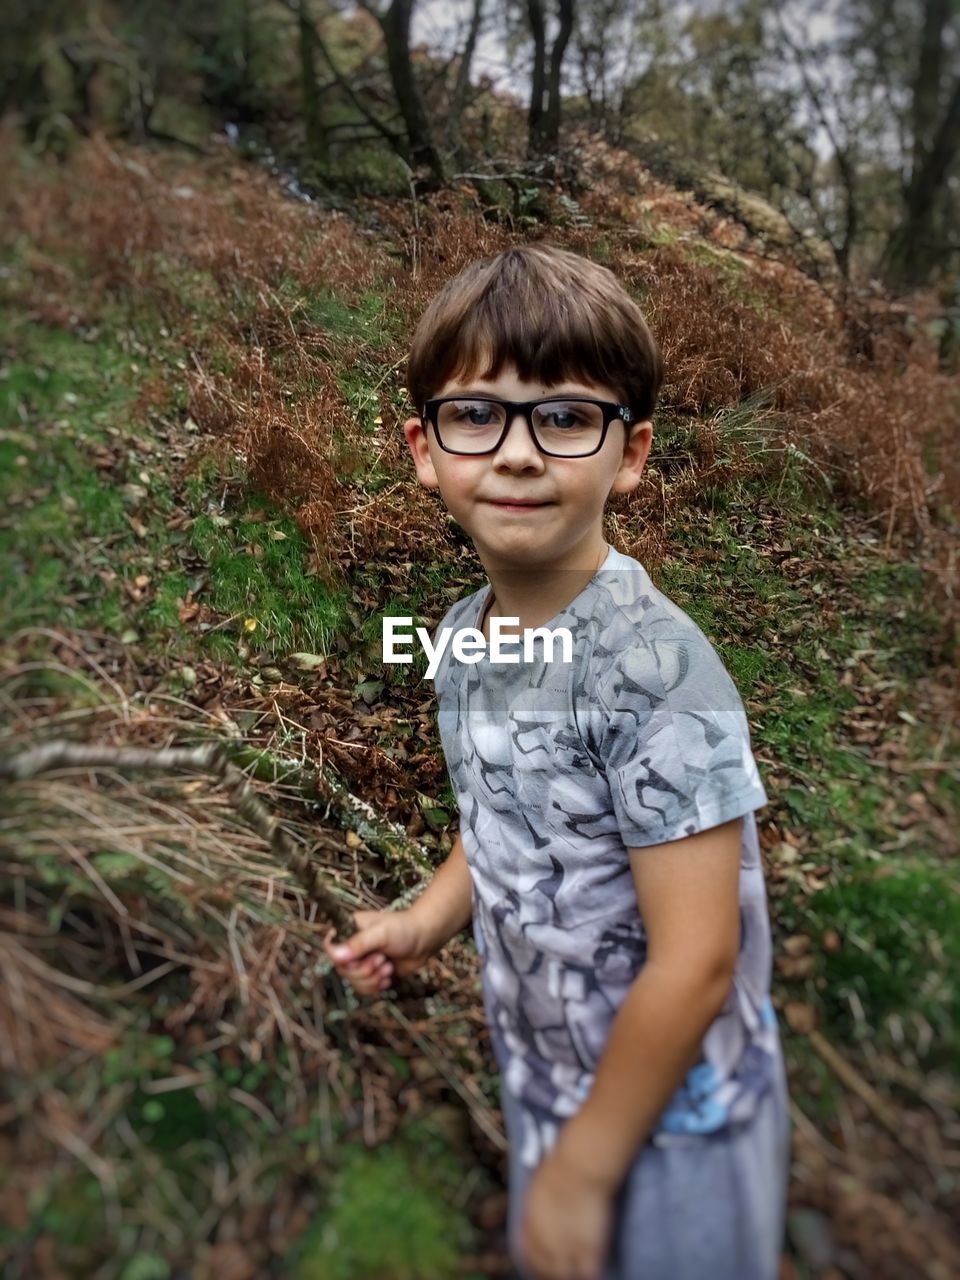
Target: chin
(522,551)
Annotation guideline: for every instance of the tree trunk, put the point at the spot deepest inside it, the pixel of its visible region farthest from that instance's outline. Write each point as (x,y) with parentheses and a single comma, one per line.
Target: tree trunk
(551,120)
(425,159)
(315,141)
(460,89)
(247,95)
(538,87)
(913,249)
(82,72)
(544,114)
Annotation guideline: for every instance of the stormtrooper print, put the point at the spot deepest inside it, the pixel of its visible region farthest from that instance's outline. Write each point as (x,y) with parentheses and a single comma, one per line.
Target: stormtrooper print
(558,769)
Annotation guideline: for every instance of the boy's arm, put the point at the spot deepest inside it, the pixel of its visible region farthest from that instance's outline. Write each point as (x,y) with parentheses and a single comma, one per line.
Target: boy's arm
(688,891)
(446,905)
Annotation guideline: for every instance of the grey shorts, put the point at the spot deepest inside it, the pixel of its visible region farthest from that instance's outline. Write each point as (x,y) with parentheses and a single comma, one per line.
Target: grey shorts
(715,1211)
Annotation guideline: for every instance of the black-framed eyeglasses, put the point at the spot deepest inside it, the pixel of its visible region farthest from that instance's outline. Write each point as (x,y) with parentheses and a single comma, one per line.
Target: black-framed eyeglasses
(560,426)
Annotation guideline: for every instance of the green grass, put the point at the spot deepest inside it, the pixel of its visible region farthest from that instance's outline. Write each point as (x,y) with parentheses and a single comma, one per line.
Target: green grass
(258,575)
(900,957)
(69,527)
(184,1140)
(897,967)
(368,319)
(60,401)
(68,545)
(391,1213)
(362,394)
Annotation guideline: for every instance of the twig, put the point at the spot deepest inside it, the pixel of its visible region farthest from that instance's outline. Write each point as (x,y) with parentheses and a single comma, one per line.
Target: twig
(477,1104)
(877,1107)
(415,256)
(70,644)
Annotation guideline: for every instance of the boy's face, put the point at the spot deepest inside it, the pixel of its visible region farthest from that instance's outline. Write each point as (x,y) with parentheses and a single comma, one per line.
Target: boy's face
(566,521)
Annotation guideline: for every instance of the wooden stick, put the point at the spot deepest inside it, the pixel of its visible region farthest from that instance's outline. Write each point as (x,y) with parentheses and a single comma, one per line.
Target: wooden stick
(855,1081)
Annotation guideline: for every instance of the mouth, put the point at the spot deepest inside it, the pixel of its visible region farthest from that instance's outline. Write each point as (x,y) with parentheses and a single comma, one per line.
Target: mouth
(516,504)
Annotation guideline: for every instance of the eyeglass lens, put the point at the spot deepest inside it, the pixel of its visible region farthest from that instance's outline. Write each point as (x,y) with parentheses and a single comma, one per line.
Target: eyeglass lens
(568,427)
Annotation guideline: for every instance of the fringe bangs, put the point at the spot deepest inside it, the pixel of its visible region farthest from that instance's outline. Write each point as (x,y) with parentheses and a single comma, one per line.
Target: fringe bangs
(552,314)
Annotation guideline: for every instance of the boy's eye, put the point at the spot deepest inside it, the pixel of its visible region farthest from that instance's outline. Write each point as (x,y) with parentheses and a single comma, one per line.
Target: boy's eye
(475,415)
(561,418)
(567,417)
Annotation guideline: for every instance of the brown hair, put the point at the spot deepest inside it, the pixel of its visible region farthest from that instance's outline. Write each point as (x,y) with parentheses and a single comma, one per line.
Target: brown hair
(552,313)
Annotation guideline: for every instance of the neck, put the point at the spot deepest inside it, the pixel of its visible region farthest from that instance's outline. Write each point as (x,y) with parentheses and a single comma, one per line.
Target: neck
(537,594)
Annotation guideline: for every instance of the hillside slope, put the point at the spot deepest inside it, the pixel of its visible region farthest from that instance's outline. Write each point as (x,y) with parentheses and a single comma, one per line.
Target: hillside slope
(207,511)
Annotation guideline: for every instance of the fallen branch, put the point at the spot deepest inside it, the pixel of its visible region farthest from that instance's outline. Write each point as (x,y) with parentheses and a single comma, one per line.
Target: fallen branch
(350,812)
(212,759)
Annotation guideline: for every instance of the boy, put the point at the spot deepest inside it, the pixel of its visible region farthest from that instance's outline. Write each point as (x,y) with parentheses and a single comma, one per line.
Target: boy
(608,853)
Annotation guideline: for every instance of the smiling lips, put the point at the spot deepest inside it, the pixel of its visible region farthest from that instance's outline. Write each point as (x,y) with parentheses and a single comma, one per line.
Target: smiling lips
(516,504)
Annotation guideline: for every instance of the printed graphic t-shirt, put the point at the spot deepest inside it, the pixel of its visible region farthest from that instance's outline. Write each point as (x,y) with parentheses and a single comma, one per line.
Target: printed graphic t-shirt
(557,769)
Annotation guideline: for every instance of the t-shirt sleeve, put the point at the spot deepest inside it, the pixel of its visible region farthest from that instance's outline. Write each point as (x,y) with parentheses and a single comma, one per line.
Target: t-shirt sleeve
(674,741)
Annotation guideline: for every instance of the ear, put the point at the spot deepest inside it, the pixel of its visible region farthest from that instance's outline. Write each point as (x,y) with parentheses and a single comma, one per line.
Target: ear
(416,437)
(635,452)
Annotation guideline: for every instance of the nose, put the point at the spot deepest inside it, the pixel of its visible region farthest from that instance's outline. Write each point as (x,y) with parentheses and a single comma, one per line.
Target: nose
(518,449)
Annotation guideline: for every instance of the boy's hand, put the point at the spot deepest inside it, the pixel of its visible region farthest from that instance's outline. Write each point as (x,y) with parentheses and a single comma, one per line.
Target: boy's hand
(567,1223)
(385,942)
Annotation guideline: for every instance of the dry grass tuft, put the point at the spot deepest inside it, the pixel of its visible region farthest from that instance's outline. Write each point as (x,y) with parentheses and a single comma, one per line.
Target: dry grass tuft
(151,875)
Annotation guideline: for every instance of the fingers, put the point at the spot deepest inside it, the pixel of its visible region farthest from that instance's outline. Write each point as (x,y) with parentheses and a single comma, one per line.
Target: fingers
(370,977)
(367,971)
(365,968)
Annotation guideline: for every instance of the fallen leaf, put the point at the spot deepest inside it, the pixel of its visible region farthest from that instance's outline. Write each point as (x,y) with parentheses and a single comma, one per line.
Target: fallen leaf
(800,1017)
(793,967)
(228,1260)
(796,944)
(306,661)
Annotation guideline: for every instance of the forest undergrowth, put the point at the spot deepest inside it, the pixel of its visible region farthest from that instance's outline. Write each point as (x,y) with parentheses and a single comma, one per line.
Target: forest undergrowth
(207,510)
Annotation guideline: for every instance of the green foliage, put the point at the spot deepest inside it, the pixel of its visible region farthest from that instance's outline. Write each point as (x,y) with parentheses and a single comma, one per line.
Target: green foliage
(389,1215)
(746,665)
(360,390)
(70,527)
(128,874)
(897,967)
(70,1209)
(146,1266)
(900,954)
(371,169)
